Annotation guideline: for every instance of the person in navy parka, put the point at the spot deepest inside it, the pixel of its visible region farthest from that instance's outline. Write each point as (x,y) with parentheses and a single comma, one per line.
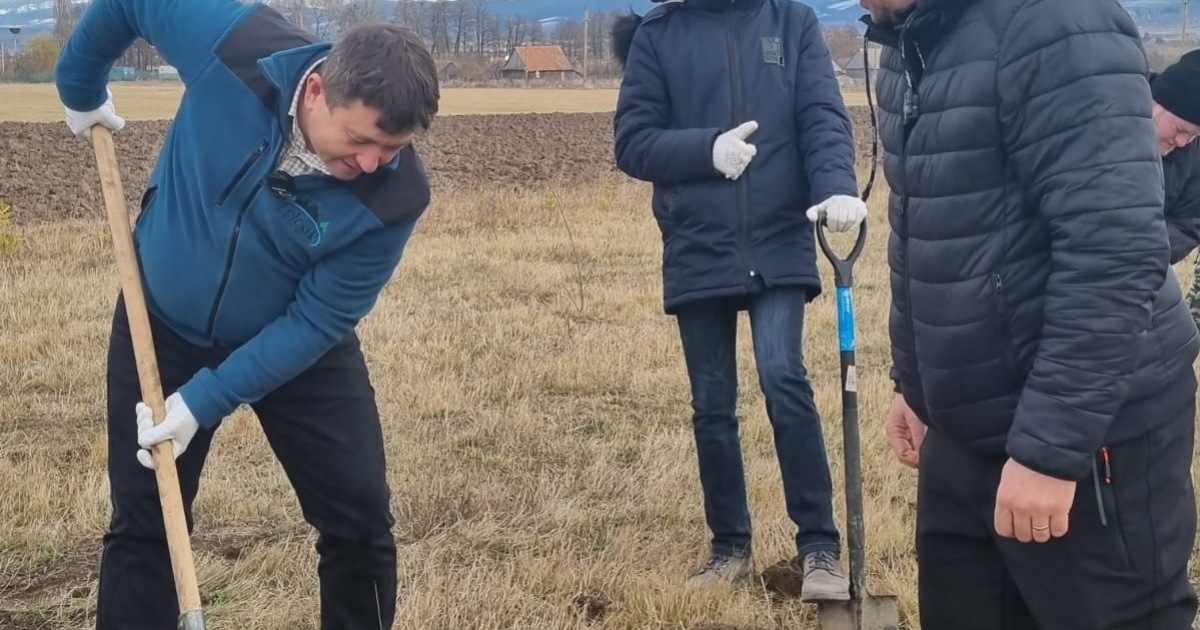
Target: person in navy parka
(732,110)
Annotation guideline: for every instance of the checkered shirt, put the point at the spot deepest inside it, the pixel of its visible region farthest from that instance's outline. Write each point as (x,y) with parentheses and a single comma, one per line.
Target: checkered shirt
(296,159)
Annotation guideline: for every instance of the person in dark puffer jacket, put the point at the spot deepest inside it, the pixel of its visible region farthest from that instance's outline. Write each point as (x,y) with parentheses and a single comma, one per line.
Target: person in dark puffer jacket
(1177,116)
(1036,330)
(731,108)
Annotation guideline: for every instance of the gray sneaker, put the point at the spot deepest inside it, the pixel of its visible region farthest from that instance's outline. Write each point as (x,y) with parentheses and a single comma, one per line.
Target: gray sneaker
(732,570)
(823,579)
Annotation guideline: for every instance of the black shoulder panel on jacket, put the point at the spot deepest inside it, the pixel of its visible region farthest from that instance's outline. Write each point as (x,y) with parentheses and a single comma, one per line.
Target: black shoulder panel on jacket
(395,196)
(262,32)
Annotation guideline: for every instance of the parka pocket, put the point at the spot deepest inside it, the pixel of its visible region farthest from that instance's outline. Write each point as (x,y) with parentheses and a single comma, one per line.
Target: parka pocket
(1000,319)
(241,173)
(1108,510)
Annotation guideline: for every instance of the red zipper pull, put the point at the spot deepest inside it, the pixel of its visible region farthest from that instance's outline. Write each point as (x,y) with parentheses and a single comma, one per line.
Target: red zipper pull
(1107,466)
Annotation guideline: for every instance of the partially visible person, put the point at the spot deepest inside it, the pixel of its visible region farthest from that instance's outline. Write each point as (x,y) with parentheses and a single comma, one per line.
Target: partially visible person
(1176,92)
(1176,113)
(281,202)
(1043,356)
(746,142)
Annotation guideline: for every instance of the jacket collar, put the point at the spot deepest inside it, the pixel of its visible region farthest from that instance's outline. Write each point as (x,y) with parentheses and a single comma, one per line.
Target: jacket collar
(285,69)
(924,24)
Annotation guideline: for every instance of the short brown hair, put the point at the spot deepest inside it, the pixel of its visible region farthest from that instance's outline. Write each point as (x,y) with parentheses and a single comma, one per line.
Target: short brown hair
(388,68)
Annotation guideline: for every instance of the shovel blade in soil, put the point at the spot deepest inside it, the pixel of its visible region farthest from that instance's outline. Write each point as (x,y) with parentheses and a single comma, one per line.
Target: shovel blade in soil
(872,613)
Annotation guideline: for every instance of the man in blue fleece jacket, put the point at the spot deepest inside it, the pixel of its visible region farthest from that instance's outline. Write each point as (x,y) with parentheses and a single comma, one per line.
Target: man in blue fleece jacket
(280,204)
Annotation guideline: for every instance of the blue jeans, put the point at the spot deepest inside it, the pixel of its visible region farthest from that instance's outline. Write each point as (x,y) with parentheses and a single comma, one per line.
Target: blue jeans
(708,331)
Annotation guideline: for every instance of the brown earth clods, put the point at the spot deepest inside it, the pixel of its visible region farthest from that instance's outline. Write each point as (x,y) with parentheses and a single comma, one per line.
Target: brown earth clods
(784,579)
(46,173)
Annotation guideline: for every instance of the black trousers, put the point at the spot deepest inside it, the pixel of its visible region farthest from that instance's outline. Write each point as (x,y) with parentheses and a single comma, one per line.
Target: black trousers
(1125,571)
(323,427)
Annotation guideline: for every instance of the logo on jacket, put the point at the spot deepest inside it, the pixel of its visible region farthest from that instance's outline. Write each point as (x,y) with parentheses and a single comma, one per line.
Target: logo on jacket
(772,50)
(304,220)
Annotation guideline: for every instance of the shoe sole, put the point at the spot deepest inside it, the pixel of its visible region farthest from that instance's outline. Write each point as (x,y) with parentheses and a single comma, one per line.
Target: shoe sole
(824,596)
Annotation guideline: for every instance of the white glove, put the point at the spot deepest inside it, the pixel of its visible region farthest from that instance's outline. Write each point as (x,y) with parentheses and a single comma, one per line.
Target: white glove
(842,212)
(731,154)
(179,426)
(81,123)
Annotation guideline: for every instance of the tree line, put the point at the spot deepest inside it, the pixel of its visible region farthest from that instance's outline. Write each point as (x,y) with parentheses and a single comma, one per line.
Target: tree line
(465,32)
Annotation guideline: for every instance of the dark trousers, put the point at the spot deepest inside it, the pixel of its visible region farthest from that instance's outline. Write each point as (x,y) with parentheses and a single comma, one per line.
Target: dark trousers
(1127,571)
(324,429)
(708,330)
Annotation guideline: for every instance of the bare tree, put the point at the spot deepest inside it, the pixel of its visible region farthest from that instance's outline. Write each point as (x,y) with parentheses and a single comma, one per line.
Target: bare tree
(65,17)
(324,15)
(407,15)
(356,11)
(461,12)
(295,11)
(569,35)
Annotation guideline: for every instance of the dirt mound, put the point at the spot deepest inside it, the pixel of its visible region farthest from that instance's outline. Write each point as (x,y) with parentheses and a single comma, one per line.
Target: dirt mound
(784,579)
(591,606)
(46,173)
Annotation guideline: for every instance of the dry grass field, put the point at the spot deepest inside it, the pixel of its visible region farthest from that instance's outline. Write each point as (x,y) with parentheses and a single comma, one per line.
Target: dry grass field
(38,102)
(533,395)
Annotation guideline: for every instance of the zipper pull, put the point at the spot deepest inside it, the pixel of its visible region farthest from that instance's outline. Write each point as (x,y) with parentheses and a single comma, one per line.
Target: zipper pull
(1099,497)
(912,106)
(1107,465)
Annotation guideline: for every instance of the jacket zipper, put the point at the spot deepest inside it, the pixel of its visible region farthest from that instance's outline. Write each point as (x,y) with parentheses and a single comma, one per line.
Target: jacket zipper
(237,230)
(742,182)
(233,241)
(241,172)
(909,99)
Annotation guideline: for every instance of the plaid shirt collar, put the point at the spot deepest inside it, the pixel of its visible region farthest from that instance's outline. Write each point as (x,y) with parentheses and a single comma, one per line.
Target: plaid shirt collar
(296,159)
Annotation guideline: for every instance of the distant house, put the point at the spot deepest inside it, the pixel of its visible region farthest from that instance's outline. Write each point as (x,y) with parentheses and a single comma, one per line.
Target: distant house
(449,71)
(854,66)
(538,63)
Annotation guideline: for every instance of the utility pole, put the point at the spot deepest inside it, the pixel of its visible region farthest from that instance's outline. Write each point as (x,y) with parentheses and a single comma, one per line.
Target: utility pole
(1183,29)
(586,46)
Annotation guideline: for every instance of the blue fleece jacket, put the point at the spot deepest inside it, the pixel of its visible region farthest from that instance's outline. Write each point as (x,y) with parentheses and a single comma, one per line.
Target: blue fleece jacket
(228,262)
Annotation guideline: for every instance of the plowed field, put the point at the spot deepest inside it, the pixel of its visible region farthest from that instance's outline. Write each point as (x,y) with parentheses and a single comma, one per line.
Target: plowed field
(46,173)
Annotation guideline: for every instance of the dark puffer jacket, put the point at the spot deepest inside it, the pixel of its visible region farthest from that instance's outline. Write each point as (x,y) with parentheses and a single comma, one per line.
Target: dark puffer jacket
(701,67)
(1033,314)
(1181,182)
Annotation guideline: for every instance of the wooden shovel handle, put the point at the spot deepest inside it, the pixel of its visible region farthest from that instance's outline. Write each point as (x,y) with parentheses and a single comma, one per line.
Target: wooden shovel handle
(178,542)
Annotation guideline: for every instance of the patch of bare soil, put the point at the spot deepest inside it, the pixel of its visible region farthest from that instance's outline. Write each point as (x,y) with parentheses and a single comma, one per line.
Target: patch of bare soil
(36,620)
(233,545)
(67,574)
(33,592)
(46,173)
(591,606)
(784,579)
